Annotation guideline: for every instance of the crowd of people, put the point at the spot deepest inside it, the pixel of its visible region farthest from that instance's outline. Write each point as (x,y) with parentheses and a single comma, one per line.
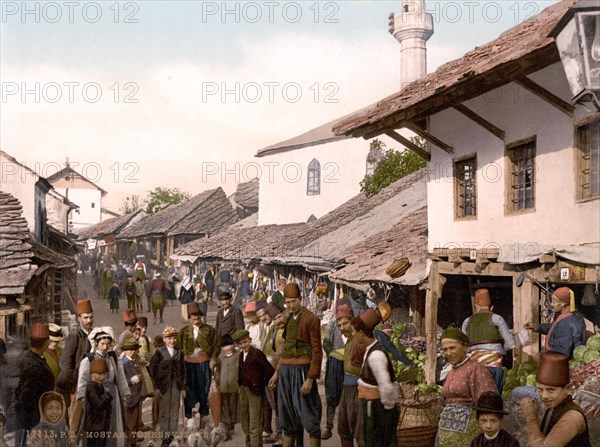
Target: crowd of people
(263,362)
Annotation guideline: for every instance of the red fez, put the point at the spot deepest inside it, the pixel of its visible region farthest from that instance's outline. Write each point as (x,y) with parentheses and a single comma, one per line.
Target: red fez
(142,322)
(482,298)
(344,311)
(261,304)
(250,306)
(84,307)
(193,309)
(273,310)
(553,370)
(292,291)
(40,332)
(128,316)
(567,296)
(98,366)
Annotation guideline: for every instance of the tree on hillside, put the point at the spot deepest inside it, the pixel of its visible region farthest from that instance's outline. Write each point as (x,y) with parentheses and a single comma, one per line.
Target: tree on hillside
(160,198)
(393,166)
(131,204)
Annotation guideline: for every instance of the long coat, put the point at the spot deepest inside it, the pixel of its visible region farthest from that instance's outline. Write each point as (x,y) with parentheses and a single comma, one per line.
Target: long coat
(165,369)
(76,347)
(35,379)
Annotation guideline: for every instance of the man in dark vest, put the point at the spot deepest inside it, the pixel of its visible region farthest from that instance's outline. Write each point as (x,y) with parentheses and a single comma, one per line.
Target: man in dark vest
(489,336)
(76,347)
(297,370)
(376,391)
(564,423)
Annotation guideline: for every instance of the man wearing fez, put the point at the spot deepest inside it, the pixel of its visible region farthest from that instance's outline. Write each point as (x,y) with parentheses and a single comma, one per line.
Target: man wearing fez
(564,423)
(130,322)
(76,347)
(489,336)
(298,368)
(376,391)
(34,380)
(200,345)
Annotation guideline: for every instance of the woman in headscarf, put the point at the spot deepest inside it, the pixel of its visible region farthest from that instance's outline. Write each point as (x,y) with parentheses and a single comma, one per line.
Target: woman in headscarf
(115,384)
(465,382)
(52,430)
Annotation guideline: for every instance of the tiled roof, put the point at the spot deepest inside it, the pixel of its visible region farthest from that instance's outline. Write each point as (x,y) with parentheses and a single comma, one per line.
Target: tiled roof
(15,250)
(246,194)
(523,49)
(109,226)
(368,260)
(205,213)
(290,244)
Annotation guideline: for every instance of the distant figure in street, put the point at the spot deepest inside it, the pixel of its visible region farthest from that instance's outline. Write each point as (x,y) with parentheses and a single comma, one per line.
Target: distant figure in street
(140,295)
(158,290)
(130,292)
(113,297)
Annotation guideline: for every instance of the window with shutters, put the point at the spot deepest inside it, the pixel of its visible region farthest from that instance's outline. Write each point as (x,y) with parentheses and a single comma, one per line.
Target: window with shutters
(521,176)
(465,190)
(588,160)
(313,180)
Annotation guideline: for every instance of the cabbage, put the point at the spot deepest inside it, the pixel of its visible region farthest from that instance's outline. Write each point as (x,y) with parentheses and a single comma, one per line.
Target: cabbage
(590,356)
(574,364)
(579,352)
(531,380)
(594,343)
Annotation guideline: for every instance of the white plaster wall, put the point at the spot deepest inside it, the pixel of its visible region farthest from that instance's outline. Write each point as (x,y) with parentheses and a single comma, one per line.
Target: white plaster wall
(282,195)
(557,218)
(57,212)
(86,215)
(20,182)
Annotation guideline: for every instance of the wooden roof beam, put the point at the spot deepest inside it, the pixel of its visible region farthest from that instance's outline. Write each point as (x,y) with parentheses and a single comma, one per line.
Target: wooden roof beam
(546,95)
(427,136)
(480,120)
(409,144)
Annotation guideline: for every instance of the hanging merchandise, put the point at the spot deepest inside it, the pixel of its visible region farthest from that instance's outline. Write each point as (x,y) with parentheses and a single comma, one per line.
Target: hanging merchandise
(590,298)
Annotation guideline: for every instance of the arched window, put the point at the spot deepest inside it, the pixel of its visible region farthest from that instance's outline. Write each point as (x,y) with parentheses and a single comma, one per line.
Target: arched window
(313,180)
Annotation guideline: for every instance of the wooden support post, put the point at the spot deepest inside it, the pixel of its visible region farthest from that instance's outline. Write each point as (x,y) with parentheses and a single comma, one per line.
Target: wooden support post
(434,291)
(525,309)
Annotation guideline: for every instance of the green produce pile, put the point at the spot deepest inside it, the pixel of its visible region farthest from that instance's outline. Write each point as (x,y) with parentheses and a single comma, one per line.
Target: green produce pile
(584,354)
(520,375)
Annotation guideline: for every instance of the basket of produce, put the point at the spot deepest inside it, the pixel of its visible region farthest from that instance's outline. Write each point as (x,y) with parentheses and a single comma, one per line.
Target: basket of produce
(418,421)
(586,361)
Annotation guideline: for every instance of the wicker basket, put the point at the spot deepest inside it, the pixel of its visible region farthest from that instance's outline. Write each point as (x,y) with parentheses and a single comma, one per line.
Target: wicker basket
(417,436)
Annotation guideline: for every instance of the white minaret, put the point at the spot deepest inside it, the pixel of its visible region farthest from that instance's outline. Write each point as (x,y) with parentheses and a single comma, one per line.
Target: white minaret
(412,28)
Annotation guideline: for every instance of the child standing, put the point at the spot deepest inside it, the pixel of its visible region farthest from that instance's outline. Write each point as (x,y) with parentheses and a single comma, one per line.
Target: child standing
(135,380)
(98,404)
(489,413)
(255,371)
(113,297)
(227,381)
(140,295)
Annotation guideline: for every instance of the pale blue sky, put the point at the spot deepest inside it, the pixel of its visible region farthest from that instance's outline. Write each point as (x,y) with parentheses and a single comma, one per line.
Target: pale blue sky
(177,50)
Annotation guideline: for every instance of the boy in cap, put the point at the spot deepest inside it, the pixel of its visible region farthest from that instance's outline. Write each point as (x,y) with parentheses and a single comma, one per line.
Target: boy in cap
(226,375)
(135,380)
(167,370)
(489,336)
(200,345)
(98,406)
(376,392)
(255,371)
(77,345)
(130,292)
(35,379)
(567,331)
(277,297)
(297,369)
(564,422)
(489,412)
